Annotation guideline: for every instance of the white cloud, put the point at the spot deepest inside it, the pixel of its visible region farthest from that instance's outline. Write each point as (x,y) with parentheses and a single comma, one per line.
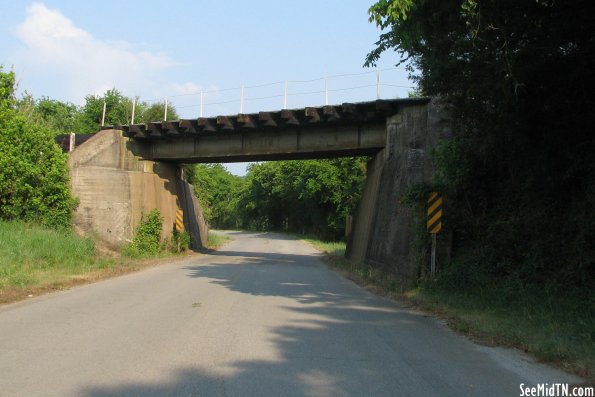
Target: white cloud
(59,50)
(186,88)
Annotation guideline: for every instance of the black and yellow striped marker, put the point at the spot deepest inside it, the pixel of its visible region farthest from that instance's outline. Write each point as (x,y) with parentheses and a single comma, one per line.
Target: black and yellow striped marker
(434,213)
(180,220)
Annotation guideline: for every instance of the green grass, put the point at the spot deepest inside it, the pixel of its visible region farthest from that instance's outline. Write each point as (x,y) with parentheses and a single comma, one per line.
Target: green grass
(31,254)
(216,240)
(363,274)
(549,329)
(35,260)
(554,331)
(335,249)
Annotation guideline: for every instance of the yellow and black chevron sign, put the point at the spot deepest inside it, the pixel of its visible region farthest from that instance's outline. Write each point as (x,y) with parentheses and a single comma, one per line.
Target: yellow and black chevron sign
(180,220)
(434,213)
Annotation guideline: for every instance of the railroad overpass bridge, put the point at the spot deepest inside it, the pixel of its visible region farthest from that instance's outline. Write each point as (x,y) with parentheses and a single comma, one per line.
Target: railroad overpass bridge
(330,131)
(123,171)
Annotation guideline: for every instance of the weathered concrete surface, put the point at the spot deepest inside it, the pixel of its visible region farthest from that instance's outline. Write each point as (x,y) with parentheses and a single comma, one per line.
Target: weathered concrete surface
(261,317)
(384,226)
(115,186)
(357,246)
(193,216)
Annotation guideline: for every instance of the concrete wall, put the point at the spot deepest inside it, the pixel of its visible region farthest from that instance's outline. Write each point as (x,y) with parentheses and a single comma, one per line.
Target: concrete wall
(384,228)
(193,215)
(358,240)
(115,186)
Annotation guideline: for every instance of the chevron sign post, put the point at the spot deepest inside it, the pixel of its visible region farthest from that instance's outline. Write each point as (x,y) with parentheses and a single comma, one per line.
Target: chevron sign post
(434,224)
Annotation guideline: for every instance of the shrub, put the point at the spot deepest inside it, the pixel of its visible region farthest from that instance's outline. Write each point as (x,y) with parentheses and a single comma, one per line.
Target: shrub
(34,182)
(147,238)
(178,242)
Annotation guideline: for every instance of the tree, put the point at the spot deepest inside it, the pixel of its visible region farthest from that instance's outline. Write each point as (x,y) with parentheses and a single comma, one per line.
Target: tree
(308,197)
(118,110)
(519,171)
(217,190)
(155,112)
(33,169)
(61,117)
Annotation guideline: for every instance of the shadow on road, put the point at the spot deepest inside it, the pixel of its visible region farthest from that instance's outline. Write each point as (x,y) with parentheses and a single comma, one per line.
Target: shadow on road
(346,343)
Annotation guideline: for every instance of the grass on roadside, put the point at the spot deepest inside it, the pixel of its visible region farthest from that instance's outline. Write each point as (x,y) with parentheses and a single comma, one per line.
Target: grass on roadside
(30,254)
(216,240)
(548,330)
(36,260)
(334,249)
(32,257)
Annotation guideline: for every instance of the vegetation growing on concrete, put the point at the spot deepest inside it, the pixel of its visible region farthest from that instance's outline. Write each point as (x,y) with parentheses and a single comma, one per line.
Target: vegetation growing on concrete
(147,241)
(147,237)
(178,242)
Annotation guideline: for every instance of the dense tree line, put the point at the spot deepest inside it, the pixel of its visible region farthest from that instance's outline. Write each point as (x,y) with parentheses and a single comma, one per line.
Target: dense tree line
(309,197)
(217,190)
(519,174)
(65,117)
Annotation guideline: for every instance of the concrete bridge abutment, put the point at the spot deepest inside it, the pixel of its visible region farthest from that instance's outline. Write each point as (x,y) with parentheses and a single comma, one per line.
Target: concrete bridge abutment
(115,185)
(384,227)
(119,175)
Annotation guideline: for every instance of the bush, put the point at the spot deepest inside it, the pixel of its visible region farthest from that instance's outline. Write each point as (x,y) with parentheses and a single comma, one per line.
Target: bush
(34,182)
(178,242)
(147,238)
(183,241)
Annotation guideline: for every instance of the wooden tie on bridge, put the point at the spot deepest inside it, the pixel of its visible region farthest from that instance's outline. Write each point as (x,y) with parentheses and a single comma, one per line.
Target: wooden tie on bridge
(347,113)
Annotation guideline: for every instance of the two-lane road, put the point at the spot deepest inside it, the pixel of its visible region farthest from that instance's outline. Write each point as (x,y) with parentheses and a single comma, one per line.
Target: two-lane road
(261,317)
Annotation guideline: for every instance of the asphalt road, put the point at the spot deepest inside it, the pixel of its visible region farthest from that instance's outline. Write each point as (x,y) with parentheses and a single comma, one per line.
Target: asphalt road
(262,317)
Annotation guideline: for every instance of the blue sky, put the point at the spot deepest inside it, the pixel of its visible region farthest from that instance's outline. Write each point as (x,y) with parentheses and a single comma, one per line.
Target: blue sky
(69,49)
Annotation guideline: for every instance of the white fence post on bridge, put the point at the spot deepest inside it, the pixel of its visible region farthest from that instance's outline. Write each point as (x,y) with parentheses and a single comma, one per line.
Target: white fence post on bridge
(201,102)
(103,114)
(326,77)
(71,142)
(133,109)
(326,90)
(165,110)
